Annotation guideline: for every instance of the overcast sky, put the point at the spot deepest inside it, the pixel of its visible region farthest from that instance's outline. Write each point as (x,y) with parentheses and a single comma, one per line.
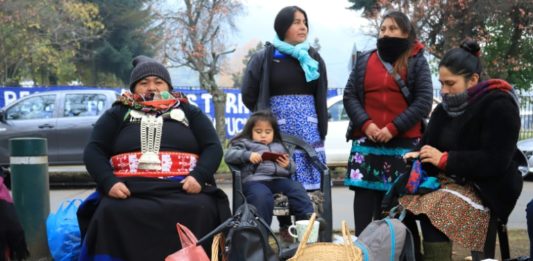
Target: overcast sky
(336,27)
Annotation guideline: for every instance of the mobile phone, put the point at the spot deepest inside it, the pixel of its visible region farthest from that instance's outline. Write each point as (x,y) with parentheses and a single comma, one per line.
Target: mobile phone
(270,156)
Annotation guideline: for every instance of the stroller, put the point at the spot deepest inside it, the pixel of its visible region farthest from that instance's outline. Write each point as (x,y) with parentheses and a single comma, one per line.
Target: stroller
(281,206)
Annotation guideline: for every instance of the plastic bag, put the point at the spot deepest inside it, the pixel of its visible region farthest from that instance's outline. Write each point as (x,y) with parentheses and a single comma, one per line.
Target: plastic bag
(63,232)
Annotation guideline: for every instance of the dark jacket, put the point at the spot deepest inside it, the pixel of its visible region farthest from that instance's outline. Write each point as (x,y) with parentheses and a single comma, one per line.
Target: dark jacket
(239,154)
(481,144)
(418,82)
(255,87)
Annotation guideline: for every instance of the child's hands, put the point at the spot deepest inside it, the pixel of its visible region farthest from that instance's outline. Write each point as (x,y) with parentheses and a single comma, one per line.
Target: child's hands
(255,158)
(283,161)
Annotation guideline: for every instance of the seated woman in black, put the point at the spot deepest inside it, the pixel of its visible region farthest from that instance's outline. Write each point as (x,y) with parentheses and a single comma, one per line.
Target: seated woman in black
(469,144)
(153,156)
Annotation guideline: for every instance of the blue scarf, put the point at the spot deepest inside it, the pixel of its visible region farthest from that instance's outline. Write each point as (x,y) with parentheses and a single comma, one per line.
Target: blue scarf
(301,53)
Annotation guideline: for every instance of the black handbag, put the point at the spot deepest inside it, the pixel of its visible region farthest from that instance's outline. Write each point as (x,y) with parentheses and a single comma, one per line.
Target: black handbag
(246,236)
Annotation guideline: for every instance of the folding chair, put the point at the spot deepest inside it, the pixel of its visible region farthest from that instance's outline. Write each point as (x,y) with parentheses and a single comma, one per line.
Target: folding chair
(293,142)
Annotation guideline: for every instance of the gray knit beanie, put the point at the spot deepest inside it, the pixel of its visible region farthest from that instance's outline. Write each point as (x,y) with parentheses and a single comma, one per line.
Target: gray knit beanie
(143,67)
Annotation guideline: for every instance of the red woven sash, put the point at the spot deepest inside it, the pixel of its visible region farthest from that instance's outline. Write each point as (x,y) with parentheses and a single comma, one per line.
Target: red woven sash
(172,164)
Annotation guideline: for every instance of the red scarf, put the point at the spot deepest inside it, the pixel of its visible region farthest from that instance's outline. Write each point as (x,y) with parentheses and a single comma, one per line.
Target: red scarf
(485,87)
(136,102)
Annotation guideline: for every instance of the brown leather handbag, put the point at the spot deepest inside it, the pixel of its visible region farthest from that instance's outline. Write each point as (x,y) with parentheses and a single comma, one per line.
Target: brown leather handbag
(189,250)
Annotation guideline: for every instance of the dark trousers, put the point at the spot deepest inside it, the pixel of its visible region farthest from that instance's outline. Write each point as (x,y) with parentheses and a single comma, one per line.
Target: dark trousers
(261,195)
(366,207)
(429,232)
(529,217)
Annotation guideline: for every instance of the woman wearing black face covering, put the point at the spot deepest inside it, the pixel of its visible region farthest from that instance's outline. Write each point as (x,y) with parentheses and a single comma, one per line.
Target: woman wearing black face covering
(384,123)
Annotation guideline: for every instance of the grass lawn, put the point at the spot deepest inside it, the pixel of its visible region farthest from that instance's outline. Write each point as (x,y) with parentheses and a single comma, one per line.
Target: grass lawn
(518,242)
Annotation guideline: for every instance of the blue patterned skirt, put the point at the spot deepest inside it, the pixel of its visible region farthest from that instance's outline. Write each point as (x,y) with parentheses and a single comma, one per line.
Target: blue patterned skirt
(297,116)
(376,165)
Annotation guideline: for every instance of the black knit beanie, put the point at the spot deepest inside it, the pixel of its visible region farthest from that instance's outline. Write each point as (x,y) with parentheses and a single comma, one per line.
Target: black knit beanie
(143,67)
(285,18)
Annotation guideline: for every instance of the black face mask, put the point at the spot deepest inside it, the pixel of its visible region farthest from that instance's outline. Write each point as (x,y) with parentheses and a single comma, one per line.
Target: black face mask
(390,48)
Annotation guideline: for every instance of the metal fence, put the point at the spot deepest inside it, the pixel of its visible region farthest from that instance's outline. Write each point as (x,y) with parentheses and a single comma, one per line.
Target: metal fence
(526,116)
(526,113)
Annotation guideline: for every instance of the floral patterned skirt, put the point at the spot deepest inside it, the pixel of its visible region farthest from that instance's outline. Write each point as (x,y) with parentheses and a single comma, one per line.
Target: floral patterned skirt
(455,210)
(376,165)
(297,116)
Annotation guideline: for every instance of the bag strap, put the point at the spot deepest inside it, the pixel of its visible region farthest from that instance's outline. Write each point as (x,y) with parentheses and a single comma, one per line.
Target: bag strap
(398,212)
(307,233)
(392,238)
(408,252)
(69,203)
(267,227)
(222,227)
(403,87)
(187,238)
(363,249)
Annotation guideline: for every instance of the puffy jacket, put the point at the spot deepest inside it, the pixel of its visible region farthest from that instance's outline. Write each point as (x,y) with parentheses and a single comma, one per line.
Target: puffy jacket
(418,82)
(239,154)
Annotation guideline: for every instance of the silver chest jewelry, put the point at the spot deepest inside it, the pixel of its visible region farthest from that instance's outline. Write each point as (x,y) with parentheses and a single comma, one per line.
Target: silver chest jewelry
(151,130)
(179,116)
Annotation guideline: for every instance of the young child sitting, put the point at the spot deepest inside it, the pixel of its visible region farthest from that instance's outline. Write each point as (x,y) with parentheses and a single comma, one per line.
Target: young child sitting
(261,177)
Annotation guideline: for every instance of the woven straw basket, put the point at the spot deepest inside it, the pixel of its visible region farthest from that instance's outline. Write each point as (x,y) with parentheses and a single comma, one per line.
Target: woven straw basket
(327,251)
(218,244)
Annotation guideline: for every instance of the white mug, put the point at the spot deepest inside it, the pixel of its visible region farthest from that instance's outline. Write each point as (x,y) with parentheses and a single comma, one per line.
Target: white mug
(301,227)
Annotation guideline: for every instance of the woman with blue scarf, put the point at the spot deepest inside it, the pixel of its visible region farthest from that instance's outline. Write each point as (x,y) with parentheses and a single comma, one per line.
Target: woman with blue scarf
(289,77)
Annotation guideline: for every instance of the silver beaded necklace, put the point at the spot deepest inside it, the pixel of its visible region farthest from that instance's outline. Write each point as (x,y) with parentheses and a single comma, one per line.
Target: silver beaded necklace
(151,130)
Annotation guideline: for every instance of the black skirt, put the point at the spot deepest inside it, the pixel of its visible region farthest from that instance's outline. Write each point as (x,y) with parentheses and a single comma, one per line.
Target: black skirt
(143,227)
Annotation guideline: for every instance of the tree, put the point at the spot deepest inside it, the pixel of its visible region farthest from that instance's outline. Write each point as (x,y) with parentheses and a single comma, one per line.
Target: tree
(195,38)
(316,45)
(237,77)
(503,28)
(131,30)
(40,39)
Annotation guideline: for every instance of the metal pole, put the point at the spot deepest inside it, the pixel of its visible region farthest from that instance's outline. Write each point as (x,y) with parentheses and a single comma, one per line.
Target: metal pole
(30,188)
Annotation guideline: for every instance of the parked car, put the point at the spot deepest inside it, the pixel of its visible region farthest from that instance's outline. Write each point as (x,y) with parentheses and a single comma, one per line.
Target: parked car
(526,146)
(336,147)
(64,118)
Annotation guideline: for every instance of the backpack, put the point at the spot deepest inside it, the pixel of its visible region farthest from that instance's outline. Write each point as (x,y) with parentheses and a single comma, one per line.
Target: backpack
(387,239)
(246,236)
